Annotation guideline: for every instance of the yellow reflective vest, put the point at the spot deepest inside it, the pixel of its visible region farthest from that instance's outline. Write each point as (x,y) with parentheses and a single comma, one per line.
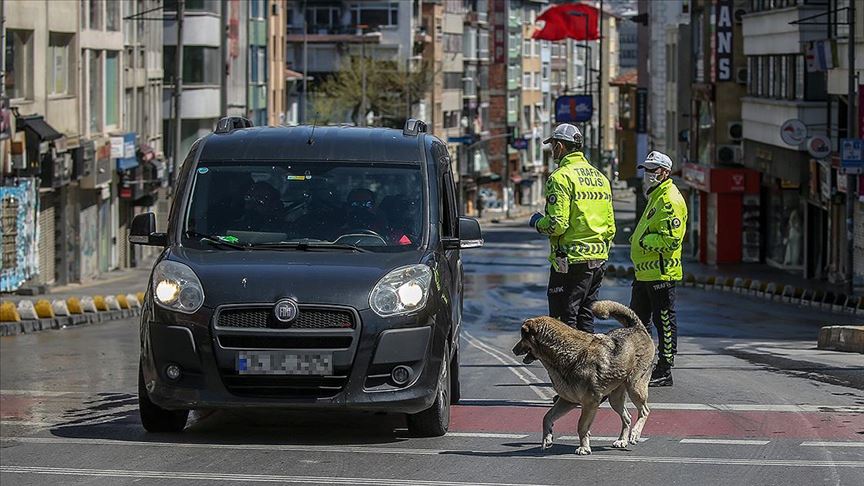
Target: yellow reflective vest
(579,219)
(655,246)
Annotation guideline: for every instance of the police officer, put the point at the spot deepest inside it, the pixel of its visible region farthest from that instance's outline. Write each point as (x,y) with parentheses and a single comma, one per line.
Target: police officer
(655,248)
(580,224)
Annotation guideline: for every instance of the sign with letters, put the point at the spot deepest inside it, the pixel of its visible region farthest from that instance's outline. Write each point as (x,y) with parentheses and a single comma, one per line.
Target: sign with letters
(723,40)
(576,108)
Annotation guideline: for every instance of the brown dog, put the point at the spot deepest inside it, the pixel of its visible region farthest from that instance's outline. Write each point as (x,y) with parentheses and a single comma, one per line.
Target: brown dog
(585,367)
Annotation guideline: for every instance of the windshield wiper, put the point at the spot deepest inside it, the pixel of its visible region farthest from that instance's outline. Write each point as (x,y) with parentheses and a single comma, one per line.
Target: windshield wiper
(215,240)
(306,245)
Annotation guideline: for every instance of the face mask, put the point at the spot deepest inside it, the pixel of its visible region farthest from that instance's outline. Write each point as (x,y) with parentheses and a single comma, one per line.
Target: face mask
(649,180)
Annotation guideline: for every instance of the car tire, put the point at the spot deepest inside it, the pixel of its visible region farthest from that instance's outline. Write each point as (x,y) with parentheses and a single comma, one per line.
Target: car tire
(155,418)
(455,386)
(435,420)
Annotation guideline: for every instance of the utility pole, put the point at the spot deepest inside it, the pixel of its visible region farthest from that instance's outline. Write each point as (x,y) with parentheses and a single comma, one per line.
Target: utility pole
(363,75)
(851,113)
(223,60)
(178,85)
(305,65)
(599,155)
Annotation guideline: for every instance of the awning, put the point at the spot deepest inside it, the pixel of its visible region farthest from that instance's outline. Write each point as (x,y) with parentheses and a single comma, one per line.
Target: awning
(38,125)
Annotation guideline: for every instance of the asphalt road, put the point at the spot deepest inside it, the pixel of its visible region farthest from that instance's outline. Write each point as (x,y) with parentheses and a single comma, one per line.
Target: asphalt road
(747,406)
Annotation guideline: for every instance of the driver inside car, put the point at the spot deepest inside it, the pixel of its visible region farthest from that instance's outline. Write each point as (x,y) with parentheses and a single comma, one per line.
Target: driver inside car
(361,214)
(263,209)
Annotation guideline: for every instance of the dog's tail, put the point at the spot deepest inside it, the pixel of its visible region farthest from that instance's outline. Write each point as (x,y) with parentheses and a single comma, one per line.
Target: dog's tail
(604,309)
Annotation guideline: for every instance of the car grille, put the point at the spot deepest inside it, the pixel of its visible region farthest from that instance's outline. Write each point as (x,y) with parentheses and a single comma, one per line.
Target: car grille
(263,318)
(284,342)
(284,386)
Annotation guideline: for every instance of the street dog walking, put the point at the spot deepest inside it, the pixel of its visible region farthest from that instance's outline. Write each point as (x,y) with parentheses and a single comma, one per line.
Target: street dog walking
(586,367)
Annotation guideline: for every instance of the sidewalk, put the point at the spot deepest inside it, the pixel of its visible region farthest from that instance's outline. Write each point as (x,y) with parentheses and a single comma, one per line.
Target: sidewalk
(125,281)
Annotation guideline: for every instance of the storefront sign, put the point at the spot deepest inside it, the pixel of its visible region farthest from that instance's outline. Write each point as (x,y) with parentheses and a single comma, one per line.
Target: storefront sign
(696,176)
(793,132)
(819,146)
(852,155)
(825,171)
(722,181)
(116,147)
(723,54)
(820,55)
(574,109)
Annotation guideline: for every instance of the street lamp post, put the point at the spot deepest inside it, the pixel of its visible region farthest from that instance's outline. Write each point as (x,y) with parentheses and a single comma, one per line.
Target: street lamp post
(362,28)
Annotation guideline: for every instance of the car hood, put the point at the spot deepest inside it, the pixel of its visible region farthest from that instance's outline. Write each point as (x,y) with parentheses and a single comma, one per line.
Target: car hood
(310,277)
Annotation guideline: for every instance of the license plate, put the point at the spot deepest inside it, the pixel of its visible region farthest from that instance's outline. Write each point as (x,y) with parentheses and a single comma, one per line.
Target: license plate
(265,363)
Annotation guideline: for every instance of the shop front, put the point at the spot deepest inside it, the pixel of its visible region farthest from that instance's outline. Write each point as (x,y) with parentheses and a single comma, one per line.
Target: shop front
(724,213)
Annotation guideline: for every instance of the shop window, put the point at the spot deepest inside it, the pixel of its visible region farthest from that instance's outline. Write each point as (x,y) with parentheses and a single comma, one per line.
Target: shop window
(19,64)
(786,229)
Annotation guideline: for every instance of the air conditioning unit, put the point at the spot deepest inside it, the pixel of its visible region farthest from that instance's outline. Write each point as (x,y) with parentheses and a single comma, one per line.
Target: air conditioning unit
(741,75)
(729,154)
(735,131)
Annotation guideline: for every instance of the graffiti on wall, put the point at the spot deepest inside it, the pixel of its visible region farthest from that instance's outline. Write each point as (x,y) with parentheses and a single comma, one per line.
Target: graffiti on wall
(88,240)
(19,207)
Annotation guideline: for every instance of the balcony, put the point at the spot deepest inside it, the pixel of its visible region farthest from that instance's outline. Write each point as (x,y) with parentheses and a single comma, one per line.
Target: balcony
(763,117)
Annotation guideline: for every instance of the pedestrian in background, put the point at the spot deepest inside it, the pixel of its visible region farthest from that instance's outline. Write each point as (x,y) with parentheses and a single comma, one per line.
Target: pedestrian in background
(655,248)
(580,224)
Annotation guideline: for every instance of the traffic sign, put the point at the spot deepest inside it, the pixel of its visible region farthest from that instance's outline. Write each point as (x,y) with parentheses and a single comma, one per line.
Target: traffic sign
(575,108)
(852,155)
(520,144)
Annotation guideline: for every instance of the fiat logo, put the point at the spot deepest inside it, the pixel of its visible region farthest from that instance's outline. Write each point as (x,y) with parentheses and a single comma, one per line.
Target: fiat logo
(286,310)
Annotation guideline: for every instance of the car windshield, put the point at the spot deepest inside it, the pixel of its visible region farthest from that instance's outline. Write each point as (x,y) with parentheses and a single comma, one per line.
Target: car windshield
(306,205)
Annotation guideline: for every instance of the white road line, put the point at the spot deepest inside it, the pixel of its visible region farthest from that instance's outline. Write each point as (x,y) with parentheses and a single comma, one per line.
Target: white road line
(832,444)
(521,372)
(486,435)
(597,437)
(46,393)
(254,478)
(530,456)
(725,441)
(723,407)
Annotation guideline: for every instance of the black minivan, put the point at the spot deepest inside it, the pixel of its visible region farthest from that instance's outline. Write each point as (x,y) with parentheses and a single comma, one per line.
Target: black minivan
(306,267)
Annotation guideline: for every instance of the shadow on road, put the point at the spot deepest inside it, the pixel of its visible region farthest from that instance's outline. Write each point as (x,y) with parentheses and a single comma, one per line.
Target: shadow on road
(253,427)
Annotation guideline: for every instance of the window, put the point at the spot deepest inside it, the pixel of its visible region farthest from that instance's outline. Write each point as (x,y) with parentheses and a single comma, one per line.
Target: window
(451,119)
(783,77)
(95,15)
(258,64)
(200,64)
(452,80)
(94,93)
(526,80)
(211,6)
(376,14)
(323,18)
(19,64)
(256,9)
(59,69)
(839,18)
(452,42)
(484,44)
(112,16)
(112,85)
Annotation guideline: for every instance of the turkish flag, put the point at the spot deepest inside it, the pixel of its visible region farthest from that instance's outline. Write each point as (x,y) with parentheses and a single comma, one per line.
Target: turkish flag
(569,21)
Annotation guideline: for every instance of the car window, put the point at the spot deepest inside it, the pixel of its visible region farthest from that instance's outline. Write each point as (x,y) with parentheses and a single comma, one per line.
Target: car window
(372,205)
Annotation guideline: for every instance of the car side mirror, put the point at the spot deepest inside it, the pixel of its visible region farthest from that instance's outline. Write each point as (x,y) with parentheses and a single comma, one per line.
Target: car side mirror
(470,235)
(143,231)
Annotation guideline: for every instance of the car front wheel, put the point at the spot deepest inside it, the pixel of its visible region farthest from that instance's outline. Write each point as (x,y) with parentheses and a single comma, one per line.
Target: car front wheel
(155,418)
(435,420)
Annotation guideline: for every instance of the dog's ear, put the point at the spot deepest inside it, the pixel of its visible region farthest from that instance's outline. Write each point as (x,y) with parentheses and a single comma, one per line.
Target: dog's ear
(528,328)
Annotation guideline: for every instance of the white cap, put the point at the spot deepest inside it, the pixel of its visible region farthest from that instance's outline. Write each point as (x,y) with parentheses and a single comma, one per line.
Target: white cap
(656,159)
(567,133)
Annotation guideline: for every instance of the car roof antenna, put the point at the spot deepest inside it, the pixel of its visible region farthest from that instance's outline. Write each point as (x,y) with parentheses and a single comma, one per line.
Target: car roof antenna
(312,133)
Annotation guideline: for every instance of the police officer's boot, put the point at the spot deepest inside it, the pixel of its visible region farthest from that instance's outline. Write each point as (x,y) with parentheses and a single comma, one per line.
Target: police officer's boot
(662,374)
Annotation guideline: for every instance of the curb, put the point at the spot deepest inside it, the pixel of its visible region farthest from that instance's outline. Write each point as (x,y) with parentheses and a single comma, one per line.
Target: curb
(772,291)
(34,325)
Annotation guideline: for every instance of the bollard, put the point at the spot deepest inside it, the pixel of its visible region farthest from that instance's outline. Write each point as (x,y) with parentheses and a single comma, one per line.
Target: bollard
(88,304)
(59,307)
(9,313)
(99,302)
(43,309)
(132,300)
(26,310)
(755,287)
(140,296)
(111,303)
(818,296)
(611,269)
(74,305)
(689,280)
(122,302)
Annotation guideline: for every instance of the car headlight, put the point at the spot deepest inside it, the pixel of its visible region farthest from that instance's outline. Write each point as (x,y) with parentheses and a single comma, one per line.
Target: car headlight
(176,287)
(402,291)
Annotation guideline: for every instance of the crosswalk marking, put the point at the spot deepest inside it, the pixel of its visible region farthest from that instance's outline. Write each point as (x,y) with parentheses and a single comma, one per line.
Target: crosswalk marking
(678,460)
(486,435)
(832,444)
(721,407)
(725,441)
